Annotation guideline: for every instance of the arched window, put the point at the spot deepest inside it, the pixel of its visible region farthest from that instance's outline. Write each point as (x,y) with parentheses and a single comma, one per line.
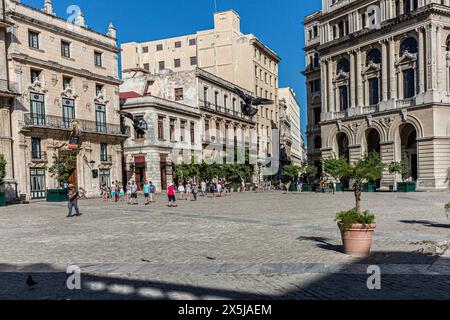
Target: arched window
(343,65)
(374,56)
(409,45)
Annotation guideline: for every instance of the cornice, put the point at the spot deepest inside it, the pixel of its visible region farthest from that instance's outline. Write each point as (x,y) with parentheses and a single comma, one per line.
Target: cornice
(59,67)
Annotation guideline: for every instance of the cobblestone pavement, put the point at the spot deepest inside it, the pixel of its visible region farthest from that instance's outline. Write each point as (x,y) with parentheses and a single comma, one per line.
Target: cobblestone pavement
(254,245)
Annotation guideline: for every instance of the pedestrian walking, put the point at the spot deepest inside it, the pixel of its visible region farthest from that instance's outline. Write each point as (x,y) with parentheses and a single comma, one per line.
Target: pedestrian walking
(152,190)
(203,188)
(194,192)
(121,193)
(181,191)
(73,201)
(133,189)
(146,188)
(113,192)
(105,192)
(172,201)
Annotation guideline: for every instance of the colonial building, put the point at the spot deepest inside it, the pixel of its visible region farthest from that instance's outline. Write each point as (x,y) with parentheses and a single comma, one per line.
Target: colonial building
(190,114)
(241,59)
(298,153)
(8,91)
(385,83)
(67,76)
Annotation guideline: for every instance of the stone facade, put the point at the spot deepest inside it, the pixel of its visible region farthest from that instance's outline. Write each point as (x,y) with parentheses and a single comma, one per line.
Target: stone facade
(384,83)
(64,72)
(298,153)
(189,114)
(223,51)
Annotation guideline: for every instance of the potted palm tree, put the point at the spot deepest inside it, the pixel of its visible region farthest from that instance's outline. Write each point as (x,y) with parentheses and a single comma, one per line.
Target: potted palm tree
(61,170)
(356,227)
(2,176)
(400,168)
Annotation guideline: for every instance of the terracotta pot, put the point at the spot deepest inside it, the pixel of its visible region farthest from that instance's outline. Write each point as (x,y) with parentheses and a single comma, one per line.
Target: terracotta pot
(357,240)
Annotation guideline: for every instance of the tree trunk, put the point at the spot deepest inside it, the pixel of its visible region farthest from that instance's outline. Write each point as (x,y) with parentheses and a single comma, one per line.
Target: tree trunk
(358,187)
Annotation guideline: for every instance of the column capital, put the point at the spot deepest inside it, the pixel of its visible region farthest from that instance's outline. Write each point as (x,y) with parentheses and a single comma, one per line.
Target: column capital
(383,41)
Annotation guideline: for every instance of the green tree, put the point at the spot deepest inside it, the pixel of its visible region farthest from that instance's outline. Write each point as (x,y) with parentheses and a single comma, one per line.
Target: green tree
(2,168)
(399,168)
(308,170)
(292,171)
(368,168)
(62,167)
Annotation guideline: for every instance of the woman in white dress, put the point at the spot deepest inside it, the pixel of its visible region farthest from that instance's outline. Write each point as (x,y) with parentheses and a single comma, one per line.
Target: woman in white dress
(181,190)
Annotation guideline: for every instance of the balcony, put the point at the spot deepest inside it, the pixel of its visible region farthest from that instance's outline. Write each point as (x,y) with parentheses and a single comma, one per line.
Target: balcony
(223,111)
(108,160)
(408,102)
(60,123)
(39,158)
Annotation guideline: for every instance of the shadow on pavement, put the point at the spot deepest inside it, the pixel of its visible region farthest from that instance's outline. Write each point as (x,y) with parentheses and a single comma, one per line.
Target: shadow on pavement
(426,223)
(403,276)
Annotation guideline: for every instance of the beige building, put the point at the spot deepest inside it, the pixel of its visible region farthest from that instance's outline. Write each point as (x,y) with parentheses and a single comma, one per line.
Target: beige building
(223,51)
(66,74)
(385,84)
(298,153)
(189,114)
(8,91)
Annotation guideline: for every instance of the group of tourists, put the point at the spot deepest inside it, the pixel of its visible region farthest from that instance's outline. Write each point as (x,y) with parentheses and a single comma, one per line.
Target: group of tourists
(117,192)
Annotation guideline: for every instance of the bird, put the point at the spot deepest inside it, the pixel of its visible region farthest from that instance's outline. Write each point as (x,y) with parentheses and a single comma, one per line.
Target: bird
(30,282)
(139,124)
(247,106)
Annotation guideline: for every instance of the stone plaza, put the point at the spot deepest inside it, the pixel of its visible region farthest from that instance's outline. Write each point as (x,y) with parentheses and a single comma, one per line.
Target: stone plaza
(249,245)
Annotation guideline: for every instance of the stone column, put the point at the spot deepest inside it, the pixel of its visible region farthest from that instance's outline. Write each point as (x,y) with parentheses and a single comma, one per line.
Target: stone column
(352,80)
(359,84)
(392,70)
(431,57)
(421,60)
(440,59)
(323,85)
(387,156)
(331,102)
(384,70)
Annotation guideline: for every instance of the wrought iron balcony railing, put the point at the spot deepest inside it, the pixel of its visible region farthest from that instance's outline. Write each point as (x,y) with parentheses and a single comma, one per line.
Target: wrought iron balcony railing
(222,110)
(55,122)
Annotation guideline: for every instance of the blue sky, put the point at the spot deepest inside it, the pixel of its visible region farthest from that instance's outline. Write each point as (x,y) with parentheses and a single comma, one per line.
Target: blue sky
(276,23)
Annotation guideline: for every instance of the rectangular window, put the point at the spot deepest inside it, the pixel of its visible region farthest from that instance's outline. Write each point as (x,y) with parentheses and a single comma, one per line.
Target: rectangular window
(225,102)
(33,39)
(159,47)
(104,177)
(182,130)
(192,42)
(172,130)
(234,105)
(178,44)
(409,83)
(35,75)
(374,91)
(179,94)
(343,95)
(98,59)
(98,89)
(66,82)
(138,135)
(207,128)
(68,106)
(177,63)
(216,100)
(205,96)
(144,49)
(193,61)
(146,66)
(35,148)
(192,133)
(103,152)
(160,127)
(37,109)
(65,49)
(100,118)
(161,65)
